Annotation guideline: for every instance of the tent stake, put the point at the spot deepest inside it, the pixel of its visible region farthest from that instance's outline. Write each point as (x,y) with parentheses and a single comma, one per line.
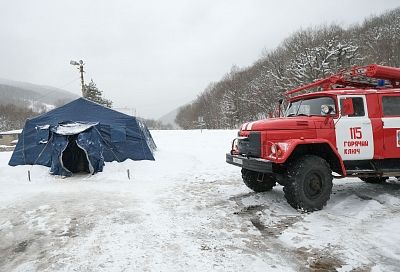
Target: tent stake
(129,173)
(29,175)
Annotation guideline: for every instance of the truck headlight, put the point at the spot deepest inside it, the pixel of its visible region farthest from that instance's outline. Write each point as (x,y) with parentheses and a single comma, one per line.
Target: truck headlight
(235,146)
(276,150)
(273,149)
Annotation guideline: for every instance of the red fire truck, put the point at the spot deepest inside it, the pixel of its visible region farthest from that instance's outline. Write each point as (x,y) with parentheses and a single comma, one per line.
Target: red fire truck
(346,125)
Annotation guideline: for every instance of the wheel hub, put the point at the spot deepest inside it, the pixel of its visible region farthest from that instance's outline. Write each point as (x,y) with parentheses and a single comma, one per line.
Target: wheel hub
(313,185)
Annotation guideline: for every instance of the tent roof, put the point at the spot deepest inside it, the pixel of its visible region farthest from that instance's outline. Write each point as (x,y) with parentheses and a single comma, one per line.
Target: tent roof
(82,109)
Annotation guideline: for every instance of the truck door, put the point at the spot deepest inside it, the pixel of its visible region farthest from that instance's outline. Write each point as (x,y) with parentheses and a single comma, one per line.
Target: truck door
(354,138)
(391,125)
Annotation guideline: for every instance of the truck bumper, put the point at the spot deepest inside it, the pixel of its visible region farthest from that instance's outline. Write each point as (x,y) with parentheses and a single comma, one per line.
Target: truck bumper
(254,164)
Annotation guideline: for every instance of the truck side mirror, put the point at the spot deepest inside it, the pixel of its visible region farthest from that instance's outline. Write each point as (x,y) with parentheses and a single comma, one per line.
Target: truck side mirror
(280,102)
(348,107)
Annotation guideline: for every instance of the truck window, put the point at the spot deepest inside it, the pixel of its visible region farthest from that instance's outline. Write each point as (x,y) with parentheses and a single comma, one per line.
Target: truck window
(312,106)
(391,105)
(358,104)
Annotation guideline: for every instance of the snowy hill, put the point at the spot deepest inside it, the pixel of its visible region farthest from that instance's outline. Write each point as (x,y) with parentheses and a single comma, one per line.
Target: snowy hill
(169,118)
(34,96)
(189,211)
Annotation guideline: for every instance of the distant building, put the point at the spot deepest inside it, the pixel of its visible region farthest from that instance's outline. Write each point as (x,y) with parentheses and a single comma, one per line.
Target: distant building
(9,138)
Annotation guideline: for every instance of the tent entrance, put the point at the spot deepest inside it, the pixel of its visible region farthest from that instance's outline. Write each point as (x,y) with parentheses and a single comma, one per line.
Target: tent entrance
(74,158)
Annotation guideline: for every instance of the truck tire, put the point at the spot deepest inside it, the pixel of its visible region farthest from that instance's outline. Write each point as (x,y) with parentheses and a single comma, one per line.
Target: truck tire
(375,180)
(258,182)
(309,183)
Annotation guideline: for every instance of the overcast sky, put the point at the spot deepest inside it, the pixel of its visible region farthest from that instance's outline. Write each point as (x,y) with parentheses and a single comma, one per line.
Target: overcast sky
(154,55)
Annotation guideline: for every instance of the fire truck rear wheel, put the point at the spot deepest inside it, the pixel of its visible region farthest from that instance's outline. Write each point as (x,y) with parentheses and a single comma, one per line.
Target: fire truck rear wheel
(309,183)
(375,180)
(258,182)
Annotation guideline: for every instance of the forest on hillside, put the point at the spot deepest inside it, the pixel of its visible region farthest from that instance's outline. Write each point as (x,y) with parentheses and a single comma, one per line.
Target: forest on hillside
(250,93)
(13,117)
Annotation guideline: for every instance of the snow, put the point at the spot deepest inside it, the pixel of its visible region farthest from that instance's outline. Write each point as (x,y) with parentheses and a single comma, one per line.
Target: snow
(188,211)
(73,128)
(43,127)
(17,131)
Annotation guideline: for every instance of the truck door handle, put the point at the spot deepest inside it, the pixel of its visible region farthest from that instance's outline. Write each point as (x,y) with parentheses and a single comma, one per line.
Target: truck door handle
(365,123)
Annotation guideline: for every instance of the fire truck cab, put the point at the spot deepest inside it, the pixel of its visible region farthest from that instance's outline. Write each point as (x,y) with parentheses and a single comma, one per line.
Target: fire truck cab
(347,125)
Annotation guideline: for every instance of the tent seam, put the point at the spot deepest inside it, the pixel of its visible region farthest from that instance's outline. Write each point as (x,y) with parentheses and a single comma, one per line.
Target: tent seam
(107,145)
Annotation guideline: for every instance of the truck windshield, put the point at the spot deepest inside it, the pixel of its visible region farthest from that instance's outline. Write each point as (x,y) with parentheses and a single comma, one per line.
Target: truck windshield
(313,106)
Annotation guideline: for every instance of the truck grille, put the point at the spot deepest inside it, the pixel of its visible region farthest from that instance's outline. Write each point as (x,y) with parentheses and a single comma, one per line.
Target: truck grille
(250,146)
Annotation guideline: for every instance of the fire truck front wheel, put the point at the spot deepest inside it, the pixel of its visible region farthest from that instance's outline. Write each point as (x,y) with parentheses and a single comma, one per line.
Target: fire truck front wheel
(309,183)
(258,182)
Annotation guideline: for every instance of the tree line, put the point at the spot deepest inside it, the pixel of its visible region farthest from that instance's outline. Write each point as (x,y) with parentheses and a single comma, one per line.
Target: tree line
(14,117)
(155,124)
(250,93)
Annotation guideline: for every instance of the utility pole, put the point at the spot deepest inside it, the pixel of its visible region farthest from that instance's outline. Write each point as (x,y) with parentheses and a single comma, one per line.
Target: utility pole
(80,68)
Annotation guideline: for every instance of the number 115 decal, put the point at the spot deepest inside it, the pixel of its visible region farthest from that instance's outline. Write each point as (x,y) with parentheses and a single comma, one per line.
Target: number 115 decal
(355,133)
(356,144)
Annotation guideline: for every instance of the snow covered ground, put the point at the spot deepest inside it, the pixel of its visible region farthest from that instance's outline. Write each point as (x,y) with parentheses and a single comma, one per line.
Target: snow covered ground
(188,211)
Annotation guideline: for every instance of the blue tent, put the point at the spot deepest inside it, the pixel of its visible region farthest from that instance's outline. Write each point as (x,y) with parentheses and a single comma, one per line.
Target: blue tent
(79,137)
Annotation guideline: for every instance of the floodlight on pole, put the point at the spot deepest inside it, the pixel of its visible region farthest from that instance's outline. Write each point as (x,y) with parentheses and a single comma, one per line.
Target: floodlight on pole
(80,68)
